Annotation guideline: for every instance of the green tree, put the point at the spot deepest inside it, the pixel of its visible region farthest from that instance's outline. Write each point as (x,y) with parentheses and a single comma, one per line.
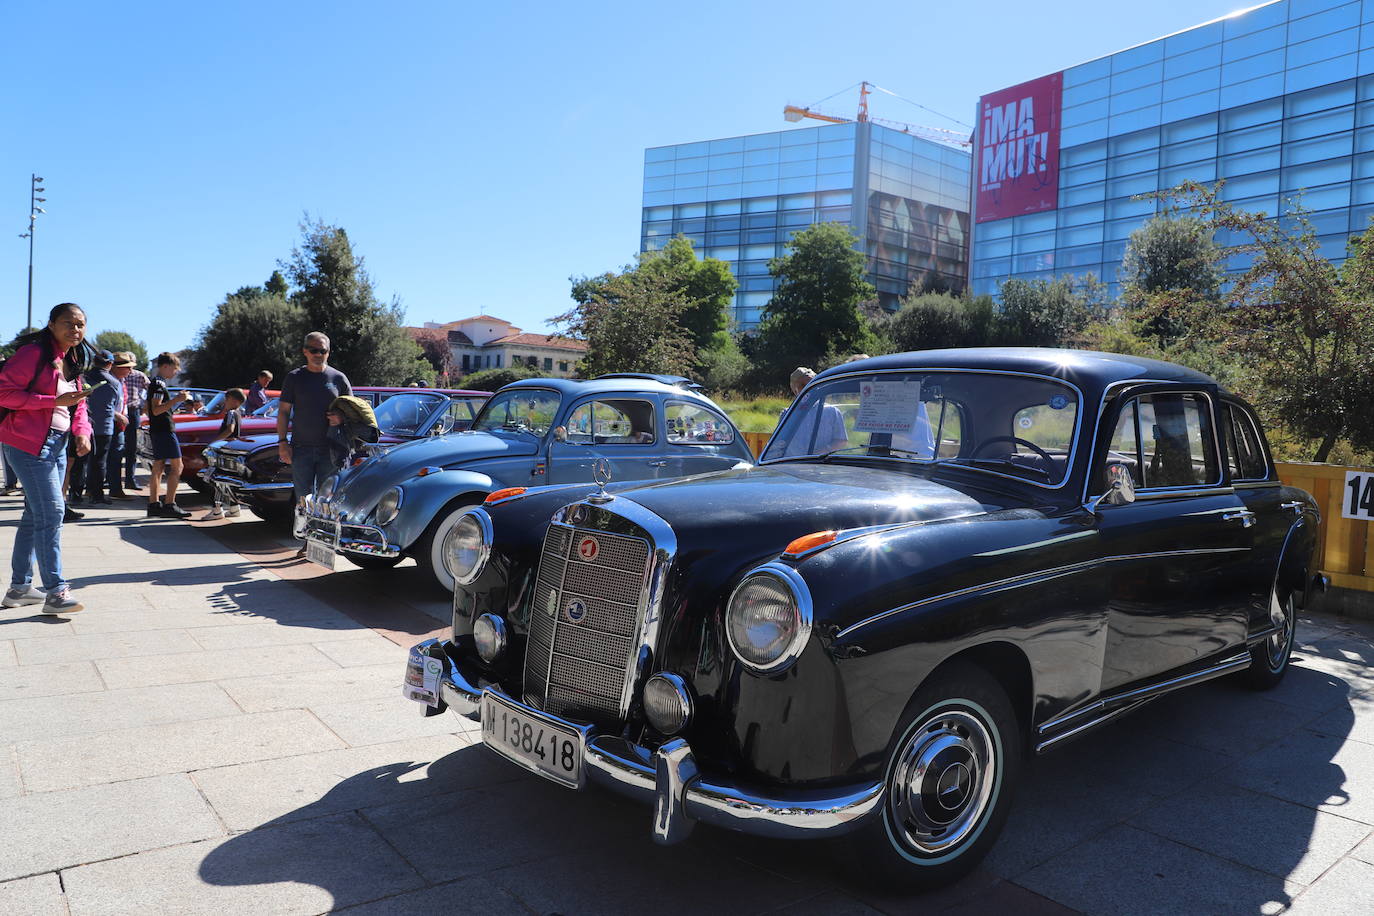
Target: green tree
(368,341)
(437,352)
(492,379)
(247,334)
(933,321)
(1303,329)
(1046,313)
(116,341)
(815,314)
(1169,253)
(632,322)
(707,286)
(276,285)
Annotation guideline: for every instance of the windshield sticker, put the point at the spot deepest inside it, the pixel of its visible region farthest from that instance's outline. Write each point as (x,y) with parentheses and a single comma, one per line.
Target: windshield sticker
(1059,401)
(887,407)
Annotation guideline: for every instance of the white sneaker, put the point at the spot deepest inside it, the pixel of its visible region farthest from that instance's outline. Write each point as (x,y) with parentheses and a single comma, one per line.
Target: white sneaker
(18,597)
(232,512)
(216,512)
(62,602)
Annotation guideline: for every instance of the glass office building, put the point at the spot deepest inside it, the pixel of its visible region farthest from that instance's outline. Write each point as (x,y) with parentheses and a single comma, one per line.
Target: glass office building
(1277,100)
(742,198)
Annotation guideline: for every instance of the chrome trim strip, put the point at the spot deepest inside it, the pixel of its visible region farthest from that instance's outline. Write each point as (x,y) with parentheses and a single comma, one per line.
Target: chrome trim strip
(631,770)
(237,484)
(1260,636)
(934,462)
(1033,577)
(1180,492)
(1080,729)
(1147,692)
(1256,484)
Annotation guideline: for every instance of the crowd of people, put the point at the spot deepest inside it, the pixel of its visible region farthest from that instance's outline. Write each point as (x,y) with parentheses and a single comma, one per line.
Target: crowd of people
(69,421)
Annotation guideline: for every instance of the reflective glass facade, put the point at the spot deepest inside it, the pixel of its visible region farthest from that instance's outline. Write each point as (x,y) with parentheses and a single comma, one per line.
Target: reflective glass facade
(742,198)
(1278,101)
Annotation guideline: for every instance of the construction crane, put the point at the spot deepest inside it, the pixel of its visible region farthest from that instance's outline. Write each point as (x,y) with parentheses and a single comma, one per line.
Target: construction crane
(795,113)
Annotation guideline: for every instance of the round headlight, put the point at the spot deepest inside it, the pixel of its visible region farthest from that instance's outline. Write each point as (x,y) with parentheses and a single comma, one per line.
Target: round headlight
(326,489)
(489,632)
(667,703)
(388,506)
(769,618)
(467,546)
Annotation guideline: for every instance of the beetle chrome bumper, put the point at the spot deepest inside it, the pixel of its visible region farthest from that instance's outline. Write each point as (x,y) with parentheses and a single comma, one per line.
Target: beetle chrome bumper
(668,778)
(319,523)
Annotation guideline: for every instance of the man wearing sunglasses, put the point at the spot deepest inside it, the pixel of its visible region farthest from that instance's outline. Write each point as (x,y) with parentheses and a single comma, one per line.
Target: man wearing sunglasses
(306,395)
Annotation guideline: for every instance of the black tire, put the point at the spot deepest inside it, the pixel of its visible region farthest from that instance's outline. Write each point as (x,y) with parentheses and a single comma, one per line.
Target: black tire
(429,545)
(369,562)
(959,730)
(1269,658)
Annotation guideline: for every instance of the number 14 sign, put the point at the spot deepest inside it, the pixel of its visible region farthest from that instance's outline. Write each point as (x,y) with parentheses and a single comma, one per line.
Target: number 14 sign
(1359,495)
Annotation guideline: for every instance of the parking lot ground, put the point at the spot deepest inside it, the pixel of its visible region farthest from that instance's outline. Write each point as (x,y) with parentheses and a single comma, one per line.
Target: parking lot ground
(222,731)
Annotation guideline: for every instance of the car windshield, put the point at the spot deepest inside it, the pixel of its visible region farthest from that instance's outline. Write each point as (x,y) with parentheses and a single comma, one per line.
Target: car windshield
(522,410)
(267,410)
(405,414)
(216,405)
(1015,425)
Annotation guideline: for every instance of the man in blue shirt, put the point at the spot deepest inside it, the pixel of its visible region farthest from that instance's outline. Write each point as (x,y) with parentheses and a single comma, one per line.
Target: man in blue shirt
(306,394)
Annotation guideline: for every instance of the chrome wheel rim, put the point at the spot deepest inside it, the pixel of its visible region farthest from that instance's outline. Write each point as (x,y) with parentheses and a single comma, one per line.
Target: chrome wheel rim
(1281,616)
(942,781)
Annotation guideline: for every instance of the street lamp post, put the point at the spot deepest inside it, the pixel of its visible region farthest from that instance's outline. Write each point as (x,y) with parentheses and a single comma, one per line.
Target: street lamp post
(34,210)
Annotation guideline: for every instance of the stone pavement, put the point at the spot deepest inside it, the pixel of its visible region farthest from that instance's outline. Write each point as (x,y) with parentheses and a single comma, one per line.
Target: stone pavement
(221,731)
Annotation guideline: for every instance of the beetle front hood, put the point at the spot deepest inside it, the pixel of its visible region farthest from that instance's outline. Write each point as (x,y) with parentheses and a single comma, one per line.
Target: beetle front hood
(767,507)
(362,486)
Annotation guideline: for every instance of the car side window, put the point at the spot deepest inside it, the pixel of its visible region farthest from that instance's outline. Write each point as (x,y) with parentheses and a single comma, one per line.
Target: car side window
(1177,445)
(620,421)
(693,424)
(1124,448)
(1244,454)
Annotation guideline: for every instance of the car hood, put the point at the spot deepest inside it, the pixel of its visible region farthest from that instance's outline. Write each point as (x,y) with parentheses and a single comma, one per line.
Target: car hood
(759,510)
(361,487)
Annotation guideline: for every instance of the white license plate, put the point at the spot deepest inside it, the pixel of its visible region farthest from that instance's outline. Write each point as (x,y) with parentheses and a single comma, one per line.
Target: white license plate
(554,751)
(323,554)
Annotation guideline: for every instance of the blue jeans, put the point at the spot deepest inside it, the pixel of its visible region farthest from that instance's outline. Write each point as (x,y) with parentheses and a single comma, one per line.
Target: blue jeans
(40,528)
(310,465)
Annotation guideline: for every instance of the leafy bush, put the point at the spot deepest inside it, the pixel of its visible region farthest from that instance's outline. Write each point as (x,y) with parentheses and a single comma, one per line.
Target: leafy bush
(492,379)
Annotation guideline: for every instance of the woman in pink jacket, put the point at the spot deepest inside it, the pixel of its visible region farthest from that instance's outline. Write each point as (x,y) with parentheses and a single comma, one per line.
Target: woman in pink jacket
(42,407)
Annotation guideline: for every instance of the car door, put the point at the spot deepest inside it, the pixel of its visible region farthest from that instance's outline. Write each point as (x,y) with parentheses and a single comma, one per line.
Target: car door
(1257,484)
(699,440)
(623,429)
(1177,558)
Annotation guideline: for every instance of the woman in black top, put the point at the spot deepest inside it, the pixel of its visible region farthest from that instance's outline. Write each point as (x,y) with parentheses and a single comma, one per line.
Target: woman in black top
(166,448)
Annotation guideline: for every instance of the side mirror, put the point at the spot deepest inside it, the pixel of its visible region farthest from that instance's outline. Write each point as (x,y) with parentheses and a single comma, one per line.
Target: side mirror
(560,433)
(1120,488)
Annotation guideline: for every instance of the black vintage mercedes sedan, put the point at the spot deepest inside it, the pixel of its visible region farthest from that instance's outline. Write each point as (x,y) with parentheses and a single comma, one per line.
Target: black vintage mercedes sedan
(944,561)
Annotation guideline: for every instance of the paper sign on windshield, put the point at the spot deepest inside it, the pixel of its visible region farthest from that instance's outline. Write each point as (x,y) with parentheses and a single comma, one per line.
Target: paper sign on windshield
(887,407)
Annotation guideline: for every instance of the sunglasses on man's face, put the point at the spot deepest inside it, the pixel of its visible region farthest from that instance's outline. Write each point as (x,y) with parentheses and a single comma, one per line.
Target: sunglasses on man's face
(318,351)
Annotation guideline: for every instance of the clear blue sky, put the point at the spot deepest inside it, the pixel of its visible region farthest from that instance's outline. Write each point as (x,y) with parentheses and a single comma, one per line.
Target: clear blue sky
(477,155)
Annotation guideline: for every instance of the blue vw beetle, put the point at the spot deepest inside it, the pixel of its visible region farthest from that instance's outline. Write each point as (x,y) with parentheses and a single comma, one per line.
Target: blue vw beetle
(531,433)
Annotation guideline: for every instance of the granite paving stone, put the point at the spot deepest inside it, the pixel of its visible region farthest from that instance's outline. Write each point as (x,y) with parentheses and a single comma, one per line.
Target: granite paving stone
(29,622)
(376,651)
(40,650)
(194,667)
(273,633)
(7,657)
(472,895)
(332,782)
(1365,851)
(87,713)
(177,747)
(305,867)
(298,689)
(1355,720)
(48,680)
(1320,771)
(1284,839)
(386,719)
(39,833)
(10,785)
(1347,888)
(39,895)
(1134,873)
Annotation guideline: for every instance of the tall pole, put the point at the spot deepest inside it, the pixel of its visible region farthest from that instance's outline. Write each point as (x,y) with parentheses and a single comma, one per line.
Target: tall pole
(33,216)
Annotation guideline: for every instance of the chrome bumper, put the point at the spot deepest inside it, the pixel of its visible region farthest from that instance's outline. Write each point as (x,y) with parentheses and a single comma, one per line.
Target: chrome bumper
(316,523)
(239,485)
(668,778)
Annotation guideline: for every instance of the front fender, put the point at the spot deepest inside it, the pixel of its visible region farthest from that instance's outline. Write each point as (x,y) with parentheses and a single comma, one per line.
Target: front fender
(426,496)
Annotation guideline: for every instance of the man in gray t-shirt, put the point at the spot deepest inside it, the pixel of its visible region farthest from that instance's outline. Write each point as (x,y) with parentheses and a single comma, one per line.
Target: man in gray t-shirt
(306,394)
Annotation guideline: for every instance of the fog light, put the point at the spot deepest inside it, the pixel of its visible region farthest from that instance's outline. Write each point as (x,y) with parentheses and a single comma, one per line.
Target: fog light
(489,632)
(667,703)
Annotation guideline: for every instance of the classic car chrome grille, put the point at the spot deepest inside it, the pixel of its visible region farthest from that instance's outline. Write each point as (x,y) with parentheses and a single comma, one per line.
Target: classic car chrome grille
(588,600)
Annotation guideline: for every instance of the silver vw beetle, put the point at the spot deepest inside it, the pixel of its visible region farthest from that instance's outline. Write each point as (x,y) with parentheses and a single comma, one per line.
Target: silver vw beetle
(533,432)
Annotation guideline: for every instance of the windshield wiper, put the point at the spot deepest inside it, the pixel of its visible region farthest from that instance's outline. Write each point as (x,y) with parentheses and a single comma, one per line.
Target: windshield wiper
(869,452)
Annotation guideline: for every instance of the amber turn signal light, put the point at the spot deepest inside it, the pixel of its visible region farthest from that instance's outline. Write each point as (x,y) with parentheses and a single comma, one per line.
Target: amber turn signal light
(498,495)
(809,541)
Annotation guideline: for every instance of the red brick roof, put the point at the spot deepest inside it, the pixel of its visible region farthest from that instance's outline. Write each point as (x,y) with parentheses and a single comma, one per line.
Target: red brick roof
(541,340)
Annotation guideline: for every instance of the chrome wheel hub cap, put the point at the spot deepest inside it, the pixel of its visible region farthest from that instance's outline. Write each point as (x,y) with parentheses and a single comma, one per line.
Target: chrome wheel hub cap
(942,781)
(1281,616)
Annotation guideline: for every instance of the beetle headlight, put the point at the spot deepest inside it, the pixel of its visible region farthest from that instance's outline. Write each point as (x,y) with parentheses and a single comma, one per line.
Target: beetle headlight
(326,489)
(468,546)
(388,506)
(768,619)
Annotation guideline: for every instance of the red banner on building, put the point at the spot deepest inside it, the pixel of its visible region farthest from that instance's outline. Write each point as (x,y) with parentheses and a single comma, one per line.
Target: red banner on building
(1018,149)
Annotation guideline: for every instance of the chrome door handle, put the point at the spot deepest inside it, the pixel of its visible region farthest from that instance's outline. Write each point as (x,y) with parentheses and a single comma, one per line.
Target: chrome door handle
(1245,517)
(658,464)
(1296,506)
